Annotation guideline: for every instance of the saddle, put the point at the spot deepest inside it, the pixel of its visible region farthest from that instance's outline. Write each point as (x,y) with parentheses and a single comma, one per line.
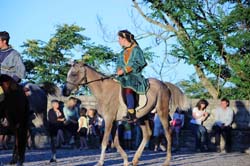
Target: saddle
(140,102)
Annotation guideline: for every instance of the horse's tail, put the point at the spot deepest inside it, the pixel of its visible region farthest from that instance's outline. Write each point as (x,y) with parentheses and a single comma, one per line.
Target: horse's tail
(50,88)
(178,98)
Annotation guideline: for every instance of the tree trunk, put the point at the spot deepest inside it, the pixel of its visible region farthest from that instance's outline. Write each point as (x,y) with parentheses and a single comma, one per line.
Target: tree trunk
(206,83)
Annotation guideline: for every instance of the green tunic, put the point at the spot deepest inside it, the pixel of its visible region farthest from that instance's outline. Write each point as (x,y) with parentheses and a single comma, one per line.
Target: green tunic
(132,61)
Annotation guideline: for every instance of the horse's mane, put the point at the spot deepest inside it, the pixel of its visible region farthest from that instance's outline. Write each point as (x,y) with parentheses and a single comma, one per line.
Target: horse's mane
(98,72)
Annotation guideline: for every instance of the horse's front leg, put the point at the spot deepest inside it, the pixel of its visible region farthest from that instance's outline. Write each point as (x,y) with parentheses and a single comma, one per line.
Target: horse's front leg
(107,131)
(119,148)
(21,144)
(15,151)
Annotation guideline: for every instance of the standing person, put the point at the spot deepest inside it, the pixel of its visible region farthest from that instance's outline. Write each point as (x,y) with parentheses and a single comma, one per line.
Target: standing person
(176,125)
(199,115)
(158,134)
(55,121)
(83,128)
(223,120)
(137,134)
(71,113)
(129,70)
(92,134)
(127,135)
(12,67)
(3,133)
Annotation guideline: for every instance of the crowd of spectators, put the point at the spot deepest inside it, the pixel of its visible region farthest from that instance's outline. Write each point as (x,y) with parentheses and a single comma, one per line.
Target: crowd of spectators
(69,124)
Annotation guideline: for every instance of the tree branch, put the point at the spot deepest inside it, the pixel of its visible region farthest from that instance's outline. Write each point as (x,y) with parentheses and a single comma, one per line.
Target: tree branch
(167,27)
(206,83)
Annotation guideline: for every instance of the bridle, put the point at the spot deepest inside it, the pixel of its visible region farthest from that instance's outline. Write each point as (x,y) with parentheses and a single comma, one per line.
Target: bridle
(86,82)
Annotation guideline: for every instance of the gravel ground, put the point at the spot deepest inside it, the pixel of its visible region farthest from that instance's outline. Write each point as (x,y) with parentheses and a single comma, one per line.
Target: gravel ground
(71,157)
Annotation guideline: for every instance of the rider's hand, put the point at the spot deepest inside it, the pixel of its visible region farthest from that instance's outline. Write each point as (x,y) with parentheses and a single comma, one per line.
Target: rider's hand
(119,72)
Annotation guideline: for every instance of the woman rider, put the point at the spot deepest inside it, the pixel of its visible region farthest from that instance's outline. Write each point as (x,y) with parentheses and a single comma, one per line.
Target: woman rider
(129,70)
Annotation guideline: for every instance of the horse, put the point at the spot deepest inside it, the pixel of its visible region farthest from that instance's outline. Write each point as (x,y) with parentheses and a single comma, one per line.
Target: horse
(107,93)
(18,107)
(15,108)
(37,95)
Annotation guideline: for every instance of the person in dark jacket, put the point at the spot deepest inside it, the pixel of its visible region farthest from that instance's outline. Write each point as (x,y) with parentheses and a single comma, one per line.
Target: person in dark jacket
(55,121)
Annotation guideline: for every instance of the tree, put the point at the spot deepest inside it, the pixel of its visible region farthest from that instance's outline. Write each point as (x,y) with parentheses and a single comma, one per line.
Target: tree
(194,89)
(211,35)
(48,61)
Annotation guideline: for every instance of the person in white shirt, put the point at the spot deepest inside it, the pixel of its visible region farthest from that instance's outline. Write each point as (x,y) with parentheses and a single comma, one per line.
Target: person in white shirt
(223,120)
(199,115)
(176,124)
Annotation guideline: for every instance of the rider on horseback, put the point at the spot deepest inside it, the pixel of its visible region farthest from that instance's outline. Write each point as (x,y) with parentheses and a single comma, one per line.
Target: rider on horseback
(12,68)
(129,70)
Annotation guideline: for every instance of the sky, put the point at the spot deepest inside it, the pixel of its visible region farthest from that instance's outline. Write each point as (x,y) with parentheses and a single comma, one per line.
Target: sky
(37,19)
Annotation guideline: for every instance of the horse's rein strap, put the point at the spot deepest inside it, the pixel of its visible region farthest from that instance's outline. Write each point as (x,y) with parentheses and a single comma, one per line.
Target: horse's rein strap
(100,79)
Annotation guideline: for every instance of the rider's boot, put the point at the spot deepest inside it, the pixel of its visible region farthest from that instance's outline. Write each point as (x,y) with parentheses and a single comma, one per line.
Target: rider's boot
(130,115)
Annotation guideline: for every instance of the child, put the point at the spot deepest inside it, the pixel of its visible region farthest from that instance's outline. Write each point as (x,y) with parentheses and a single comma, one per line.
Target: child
(83,127)
(176,124)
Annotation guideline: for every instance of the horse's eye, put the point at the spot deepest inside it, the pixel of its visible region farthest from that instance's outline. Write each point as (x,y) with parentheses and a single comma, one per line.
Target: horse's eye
(73,74)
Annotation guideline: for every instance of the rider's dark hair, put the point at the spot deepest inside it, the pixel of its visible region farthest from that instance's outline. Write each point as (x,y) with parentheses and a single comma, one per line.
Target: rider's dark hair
(127,35)
(5,36)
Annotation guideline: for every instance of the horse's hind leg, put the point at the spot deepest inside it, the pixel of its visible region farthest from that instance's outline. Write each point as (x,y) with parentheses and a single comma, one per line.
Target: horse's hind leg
(119,148)
(146,132)
(168,132)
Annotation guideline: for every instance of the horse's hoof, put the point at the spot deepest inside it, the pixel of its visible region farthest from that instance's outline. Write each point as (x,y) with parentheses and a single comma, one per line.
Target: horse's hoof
(19,164)
(126,164)
(166,164)
(99,164)
(135,163)
(12,162)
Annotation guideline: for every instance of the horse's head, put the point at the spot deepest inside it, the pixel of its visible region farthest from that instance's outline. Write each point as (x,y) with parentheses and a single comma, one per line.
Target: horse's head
(76,77)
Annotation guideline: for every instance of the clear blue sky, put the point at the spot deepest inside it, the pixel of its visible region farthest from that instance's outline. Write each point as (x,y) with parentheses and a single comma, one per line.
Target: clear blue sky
(36,19)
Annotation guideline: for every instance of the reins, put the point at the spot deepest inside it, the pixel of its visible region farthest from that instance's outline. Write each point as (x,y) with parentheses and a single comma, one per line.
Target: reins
(89,82)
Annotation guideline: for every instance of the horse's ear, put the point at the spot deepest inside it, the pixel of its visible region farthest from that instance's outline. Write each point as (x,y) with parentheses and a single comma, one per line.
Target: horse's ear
(71,62)
(81,63)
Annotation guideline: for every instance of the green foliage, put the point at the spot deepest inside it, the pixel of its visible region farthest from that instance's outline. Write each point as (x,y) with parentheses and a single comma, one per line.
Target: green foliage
(99,55)
(215,36)
(48,61)
(193,88)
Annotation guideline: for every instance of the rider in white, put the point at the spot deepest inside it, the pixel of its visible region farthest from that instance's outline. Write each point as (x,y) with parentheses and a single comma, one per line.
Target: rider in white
(12,67)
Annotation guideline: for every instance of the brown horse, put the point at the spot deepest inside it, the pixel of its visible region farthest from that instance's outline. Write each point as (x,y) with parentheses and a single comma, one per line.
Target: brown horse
(15,109)
(107,92)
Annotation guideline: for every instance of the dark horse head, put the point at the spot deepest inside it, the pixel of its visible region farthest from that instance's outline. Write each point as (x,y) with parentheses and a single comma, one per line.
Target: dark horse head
(15,109)
(75,77)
